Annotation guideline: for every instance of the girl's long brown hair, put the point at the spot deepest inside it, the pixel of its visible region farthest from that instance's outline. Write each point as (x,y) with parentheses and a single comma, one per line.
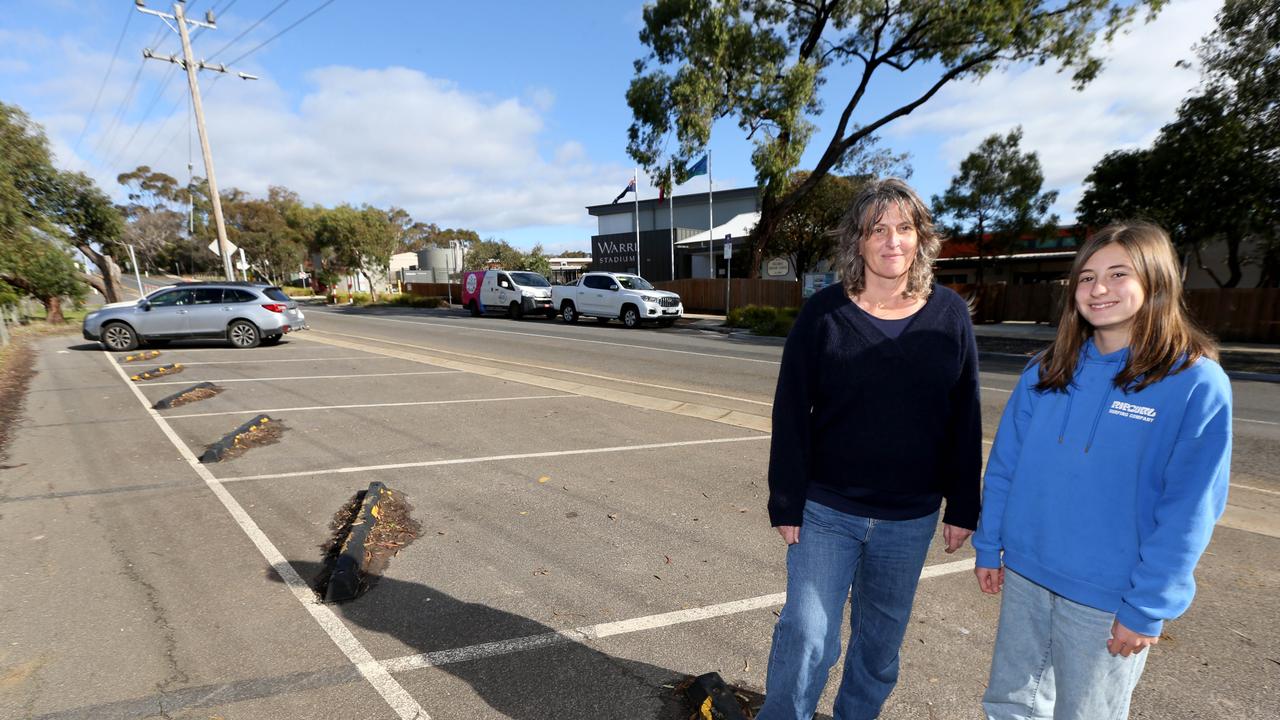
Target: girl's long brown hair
(1163,340)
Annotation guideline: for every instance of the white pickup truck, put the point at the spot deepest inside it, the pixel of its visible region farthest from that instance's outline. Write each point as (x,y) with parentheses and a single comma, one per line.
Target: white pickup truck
(608,296)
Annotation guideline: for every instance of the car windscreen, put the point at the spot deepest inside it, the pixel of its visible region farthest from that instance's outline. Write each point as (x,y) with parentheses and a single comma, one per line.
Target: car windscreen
(632,282)
(276,294)
(528,279)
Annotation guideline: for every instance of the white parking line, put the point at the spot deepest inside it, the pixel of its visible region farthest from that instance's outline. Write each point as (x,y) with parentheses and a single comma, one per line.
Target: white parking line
(310,377)
(609,378)
(371,405)
(558,338)
(1255,489)
(391,691)
(621,627)
(493,458)
(1260,422)
(319,359)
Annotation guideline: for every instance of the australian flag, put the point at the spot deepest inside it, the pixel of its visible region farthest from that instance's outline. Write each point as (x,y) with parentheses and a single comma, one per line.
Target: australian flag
(631,187)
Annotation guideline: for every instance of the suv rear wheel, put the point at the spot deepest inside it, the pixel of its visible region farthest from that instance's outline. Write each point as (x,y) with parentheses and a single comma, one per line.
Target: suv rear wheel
(119,337)
(243,334)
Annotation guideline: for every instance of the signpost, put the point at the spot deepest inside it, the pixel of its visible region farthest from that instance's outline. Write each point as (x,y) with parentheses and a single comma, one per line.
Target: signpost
(728,269)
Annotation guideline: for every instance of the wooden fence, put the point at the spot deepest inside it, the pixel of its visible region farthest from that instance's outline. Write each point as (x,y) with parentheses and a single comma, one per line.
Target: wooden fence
(434,290)
(707,295)
(1233,315)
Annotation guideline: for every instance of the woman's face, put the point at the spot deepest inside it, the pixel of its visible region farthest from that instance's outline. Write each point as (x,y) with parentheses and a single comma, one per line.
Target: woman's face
(1109,293)
(891,247)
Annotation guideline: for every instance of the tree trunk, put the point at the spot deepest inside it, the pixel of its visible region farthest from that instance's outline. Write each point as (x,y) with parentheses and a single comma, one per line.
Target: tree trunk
(762,235)
(107,267)
(1233,259)
(373,291)
(53,310)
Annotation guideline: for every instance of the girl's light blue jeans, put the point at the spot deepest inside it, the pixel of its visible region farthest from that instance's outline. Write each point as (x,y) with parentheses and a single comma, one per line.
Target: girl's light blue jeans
(874,565)
(1051,660)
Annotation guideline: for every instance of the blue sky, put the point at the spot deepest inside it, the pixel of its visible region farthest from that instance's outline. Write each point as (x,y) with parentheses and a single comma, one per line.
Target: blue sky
(507,118)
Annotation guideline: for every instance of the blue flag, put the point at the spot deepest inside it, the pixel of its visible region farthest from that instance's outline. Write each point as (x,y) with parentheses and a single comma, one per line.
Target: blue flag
(631,187)
(698,168)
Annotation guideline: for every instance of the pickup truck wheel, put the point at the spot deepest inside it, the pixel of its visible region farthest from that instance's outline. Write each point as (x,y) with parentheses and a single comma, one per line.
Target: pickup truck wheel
(630,317)
(515,311)
(474,307)
(569,313)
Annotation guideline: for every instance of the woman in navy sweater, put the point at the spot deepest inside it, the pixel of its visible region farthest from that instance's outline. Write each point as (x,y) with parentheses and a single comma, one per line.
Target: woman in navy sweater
(876,421)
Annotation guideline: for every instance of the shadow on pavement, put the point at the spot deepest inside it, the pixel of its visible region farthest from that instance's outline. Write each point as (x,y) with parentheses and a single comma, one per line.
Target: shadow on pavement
(546,679)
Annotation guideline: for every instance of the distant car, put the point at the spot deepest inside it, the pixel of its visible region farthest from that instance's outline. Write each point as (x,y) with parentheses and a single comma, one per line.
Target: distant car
(518,294)
(605,296)
(245,314)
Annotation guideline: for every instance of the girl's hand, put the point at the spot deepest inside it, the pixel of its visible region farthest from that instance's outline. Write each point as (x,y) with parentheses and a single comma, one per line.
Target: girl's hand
(790,533)
(1125,642)
(990,581)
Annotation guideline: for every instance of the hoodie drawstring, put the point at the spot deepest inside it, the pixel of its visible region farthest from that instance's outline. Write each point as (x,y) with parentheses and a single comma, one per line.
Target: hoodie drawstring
(1097,418)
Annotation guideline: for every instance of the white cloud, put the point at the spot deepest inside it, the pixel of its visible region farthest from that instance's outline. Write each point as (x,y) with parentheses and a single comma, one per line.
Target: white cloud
(1137,92)
(390,136)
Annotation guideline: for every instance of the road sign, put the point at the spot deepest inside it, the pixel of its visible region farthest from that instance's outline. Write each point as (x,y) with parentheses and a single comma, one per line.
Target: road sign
(231,248)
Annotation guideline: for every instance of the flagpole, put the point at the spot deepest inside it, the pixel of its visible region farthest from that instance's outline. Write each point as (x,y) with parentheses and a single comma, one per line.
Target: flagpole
(635,178)
(711,223)
(671,207)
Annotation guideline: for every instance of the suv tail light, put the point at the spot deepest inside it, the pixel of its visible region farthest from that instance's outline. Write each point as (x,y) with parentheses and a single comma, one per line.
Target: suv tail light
(274,307)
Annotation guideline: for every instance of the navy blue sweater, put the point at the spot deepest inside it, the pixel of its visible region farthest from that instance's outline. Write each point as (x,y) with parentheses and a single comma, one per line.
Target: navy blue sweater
(873,426)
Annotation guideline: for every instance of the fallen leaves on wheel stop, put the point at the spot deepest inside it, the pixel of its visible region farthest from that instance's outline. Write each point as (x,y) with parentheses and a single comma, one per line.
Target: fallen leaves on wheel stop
(394,531)
(148,355)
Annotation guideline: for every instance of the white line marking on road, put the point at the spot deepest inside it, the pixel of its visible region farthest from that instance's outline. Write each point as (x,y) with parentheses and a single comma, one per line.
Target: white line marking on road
(548,368)
(370,356)
(492,458)
(310,377)
(396,696)
(1260,422)
(1255,489)
(994,389)
(570,339)
(372,405)
(621,627)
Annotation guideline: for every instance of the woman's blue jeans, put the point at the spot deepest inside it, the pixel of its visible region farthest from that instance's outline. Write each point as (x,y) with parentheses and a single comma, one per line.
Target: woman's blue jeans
(875,566)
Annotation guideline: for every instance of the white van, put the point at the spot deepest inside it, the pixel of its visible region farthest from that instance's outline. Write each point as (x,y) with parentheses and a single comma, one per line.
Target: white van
(516,293)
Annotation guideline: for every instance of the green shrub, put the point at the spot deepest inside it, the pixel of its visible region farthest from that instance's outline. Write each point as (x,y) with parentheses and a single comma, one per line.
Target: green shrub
(418,301)
(292,291)
(763,319)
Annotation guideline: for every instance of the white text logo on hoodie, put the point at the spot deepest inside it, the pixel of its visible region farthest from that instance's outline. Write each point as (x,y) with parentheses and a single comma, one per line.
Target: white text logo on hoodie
(1133,412)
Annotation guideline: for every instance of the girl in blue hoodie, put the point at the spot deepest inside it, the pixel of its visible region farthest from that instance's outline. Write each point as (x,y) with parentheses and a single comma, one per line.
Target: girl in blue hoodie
(1109,470)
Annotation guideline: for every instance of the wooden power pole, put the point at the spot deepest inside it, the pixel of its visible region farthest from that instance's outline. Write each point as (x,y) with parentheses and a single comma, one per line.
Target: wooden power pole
(191,66)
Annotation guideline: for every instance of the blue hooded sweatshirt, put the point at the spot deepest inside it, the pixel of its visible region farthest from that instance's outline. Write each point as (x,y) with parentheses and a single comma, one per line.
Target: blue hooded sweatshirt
(1108,497)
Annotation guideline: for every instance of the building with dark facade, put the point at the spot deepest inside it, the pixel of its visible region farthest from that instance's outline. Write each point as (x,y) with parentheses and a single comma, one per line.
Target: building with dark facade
(613,247)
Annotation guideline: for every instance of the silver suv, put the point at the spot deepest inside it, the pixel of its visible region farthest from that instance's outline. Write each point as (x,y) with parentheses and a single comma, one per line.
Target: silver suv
(245,314)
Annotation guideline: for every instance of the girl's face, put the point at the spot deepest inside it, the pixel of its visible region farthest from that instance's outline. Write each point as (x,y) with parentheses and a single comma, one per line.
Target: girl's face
(1108,293)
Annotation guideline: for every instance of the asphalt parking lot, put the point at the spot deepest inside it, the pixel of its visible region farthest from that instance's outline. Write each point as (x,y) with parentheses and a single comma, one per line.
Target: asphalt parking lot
(583,549)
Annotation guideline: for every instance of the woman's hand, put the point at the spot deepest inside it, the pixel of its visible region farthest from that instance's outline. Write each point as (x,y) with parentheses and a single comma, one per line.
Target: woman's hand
(954,537)
(1125,642)
(990,581)
(790,533)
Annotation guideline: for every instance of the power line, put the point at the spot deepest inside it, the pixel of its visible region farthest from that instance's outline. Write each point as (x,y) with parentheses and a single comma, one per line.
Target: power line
(145,114)
(114,54)
(124,106)
(273,37)
(249,29)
